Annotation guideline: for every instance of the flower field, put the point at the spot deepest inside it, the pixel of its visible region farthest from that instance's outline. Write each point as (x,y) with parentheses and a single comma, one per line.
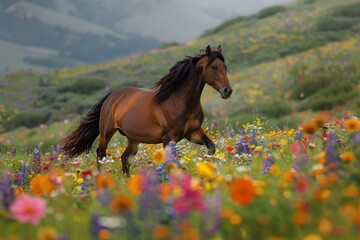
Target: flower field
(262,183)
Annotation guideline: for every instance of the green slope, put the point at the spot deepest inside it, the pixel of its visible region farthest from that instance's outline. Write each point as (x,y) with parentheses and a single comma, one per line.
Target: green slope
(283,66)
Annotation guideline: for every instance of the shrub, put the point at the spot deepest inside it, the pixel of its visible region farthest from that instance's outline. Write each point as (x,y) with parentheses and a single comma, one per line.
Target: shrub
(335,24)
(267,12)
(86,86)
(29,119)
(352,10)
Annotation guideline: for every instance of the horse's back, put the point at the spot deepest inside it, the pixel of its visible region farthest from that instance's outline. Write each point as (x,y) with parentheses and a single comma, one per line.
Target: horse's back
(133,111)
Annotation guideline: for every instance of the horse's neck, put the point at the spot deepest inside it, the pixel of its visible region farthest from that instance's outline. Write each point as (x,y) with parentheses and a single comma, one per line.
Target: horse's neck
(189,93)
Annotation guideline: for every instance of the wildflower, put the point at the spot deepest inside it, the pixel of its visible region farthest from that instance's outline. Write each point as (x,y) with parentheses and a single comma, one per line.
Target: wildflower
(37,161)
(352,124)
(347,157)
(325,226)
(312,237)
(6,190)
(136,184)
(267,162)
(242,191)
(189,195)
(242,146)
(275,170)
(47,233)
(309,127)
(28,209)
(104,234)
(301,185)
(301,217)
(42,184)
(235,219)
(320,121)
(230,148)
(121,203)
(161,231)
(104,181)
(159,156)
(206,170)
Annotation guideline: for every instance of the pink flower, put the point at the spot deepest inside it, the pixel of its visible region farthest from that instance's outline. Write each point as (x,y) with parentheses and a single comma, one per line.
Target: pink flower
(189,198)
(28,209)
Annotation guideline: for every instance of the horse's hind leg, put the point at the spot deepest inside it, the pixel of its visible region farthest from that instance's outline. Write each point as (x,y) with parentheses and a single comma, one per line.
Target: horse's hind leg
(199,137)
(104,140)
(130,150)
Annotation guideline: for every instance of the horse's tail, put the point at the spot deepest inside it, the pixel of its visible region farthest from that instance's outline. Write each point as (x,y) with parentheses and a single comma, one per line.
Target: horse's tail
(81,139)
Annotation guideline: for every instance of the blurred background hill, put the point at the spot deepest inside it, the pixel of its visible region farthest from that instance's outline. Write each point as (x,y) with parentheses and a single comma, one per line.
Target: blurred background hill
(286,63)
(45,34)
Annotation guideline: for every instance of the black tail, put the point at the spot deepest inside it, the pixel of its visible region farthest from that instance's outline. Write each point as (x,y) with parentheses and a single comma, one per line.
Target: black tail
(81,139)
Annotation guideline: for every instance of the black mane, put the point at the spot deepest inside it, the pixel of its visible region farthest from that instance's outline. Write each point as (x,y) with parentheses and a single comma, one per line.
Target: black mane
(177,73)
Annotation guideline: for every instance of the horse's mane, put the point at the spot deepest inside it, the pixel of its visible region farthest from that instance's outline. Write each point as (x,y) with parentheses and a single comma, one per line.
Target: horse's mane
(177,73)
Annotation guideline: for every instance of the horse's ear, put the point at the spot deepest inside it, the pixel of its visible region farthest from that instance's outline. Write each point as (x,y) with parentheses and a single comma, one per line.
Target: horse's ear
(219,49)
(208,50)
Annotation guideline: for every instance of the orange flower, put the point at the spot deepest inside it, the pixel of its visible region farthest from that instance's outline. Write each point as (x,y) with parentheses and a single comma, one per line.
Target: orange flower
(347,157)
(320,121)
(136,184)
(159,156)
(104,181)
(309,127)
(242,191)
(121,202)
(42,185)
(352,124)
(161,231)
(164,190)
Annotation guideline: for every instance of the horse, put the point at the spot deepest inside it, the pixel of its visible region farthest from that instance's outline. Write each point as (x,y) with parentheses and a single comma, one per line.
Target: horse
(171,111)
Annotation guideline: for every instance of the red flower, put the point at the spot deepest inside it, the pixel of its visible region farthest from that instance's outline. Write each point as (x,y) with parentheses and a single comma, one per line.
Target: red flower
(230,148)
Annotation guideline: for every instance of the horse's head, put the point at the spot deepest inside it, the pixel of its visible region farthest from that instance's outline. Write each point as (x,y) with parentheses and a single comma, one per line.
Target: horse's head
(214,71)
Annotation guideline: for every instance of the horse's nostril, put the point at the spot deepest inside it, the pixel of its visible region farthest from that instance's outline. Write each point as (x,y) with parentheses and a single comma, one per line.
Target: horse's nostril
(227,91)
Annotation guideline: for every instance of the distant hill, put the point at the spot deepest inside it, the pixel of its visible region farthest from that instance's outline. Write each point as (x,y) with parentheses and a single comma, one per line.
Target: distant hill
(285,62)
(92,31)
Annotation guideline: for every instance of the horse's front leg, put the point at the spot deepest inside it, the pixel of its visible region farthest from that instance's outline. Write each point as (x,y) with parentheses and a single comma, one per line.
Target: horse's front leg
(200,137)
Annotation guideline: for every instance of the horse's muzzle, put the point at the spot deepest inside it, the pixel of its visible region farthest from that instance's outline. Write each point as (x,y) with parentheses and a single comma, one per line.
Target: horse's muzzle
(226,92)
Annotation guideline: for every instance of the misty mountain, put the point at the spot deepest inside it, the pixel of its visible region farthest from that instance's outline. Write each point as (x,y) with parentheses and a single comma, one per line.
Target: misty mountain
(63,33)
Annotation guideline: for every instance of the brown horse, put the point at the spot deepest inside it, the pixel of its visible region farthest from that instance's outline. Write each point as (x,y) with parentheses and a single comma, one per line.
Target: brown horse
(170,112)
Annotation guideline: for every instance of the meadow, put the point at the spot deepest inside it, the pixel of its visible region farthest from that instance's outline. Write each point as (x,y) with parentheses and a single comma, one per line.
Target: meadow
(287,159)
(262,183)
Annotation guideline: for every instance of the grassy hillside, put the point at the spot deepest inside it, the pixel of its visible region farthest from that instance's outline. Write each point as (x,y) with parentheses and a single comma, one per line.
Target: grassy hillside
(284,63)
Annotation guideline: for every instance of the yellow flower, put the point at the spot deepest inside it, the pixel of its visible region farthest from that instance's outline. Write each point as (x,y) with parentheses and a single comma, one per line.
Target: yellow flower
(159,156)
(47,233)
(206,170)
(352,124)
(347,157)
(312,237)
(274,170)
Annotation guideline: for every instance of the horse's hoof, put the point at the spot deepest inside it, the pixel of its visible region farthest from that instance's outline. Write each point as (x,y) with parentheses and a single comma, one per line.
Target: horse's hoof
(211,151)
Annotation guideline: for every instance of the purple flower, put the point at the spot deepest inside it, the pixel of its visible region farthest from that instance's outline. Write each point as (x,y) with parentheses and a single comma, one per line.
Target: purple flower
(242,146)
(7,195)
(267,162)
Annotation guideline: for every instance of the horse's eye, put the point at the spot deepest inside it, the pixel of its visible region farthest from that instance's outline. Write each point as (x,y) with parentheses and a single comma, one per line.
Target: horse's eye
(214,67)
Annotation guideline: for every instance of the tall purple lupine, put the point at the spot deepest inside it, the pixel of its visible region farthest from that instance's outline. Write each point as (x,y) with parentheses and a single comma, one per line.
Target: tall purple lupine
(332,156)
(211,214)
(7,195)
(242,147)
(22,175)
(267,162)
(172,156)
(37,161)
